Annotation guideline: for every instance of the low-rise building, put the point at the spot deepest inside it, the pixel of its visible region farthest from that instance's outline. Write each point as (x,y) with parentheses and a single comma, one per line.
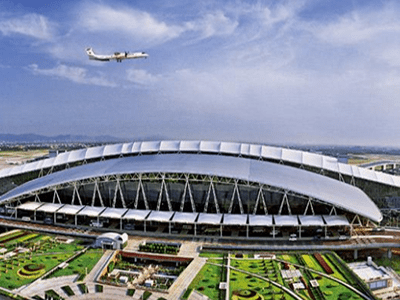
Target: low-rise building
(111,240)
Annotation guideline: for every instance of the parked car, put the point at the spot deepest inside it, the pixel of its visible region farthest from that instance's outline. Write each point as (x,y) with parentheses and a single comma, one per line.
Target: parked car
(48,220)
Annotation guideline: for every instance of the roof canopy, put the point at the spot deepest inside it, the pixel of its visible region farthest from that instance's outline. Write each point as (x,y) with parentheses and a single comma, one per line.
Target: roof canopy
(235,219)
(91,211)
(184,217)
(113,213)
(30,205)
(136,214)
(50,207)
(286,220)
(211,219)
(260,220)
(160,216)
(313,185)
(70,209)
(311,220)
(334,220)
(212,147)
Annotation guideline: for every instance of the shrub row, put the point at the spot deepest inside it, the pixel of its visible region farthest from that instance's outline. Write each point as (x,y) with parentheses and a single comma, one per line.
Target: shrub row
(323,263)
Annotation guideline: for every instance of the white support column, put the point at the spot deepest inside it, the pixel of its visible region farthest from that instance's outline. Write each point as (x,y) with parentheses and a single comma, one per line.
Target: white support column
(211,189)
(184,196)
(285,200)
(76,191)
(215,198)
(167,194)
(55,195)
(309,204)
(137,192)
(260,196)
(207,197)
(235,191)
(118,189)
(191,197)
(164,189)
(37,199)
(333,211)
(97,190)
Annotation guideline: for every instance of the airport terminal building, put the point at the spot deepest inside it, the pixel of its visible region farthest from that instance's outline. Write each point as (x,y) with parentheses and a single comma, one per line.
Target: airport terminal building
(197,188)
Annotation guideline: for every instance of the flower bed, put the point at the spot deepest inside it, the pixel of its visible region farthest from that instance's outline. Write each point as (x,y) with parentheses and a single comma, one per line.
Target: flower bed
(323,263)
(7,239)
(32,270)
(159,248)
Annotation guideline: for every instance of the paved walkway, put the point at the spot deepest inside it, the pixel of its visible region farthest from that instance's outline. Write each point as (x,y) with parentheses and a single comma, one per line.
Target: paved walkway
(91,277)
(185,278)
(195,295)
(190,249)
(40,286)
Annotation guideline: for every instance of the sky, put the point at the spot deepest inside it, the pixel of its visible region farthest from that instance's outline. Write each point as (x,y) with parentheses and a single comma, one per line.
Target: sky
(273,72)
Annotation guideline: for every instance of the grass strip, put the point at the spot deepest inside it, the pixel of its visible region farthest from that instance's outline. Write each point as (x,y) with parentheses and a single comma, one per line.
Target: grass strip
(146,295)
(98,288)
(83,288)
(67,289)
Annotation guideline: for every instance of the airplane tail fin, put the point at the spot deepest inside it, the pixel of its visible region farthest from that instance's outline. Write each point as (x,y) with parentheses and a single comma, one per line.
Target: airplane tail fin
(89,51)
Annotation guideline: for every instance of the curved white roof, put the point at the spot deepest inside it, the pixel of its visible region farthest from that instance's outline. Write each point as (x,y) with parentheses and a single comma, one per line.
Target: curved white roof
(319,187)
(210,147)
(114,236)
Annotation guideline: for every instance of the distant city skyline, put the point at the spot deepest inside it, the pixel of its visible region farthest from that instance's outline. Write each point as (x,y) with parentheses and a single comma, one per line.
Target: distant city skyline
(274,72)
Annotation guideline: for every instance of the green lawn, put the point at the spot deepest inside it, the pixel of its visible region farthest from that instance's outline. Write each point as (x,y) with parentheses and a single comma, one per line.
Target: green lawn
(12,280)
(79,265)
(10,235)
(244,286)
(207,281)
(211,254)
(394,262)
(49,254)
(240,282)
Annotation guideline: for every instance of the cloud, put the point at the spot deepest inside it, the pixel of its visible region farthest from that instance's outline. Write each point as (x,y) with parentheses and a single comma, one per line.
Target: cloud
(33,25)
(141,77)
(359,26)
(126,21)
(213,24)
(75,74)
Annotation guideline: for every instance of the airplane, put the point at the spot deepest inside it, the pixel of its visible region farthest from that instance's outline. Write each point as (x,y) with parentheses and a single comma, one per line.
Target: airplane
(118,56)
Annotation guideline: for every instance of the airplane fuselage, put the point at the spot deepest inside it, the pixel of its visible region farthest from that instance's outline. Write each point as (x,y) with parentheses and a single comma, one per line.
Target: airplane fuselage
(118,56)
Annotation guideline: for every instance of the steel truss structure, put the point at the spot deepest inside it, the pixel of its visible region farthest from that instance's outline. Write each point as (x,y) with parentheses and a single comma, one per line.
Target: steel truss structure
(180,192)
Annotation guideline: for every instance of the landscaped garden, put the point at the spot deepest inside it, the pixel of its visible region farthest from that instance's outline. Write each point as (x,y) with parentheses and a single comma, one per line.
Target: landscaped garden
(207,280)
(288,276)
(28,256)
(160,247)
(81,265)
(151,271)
